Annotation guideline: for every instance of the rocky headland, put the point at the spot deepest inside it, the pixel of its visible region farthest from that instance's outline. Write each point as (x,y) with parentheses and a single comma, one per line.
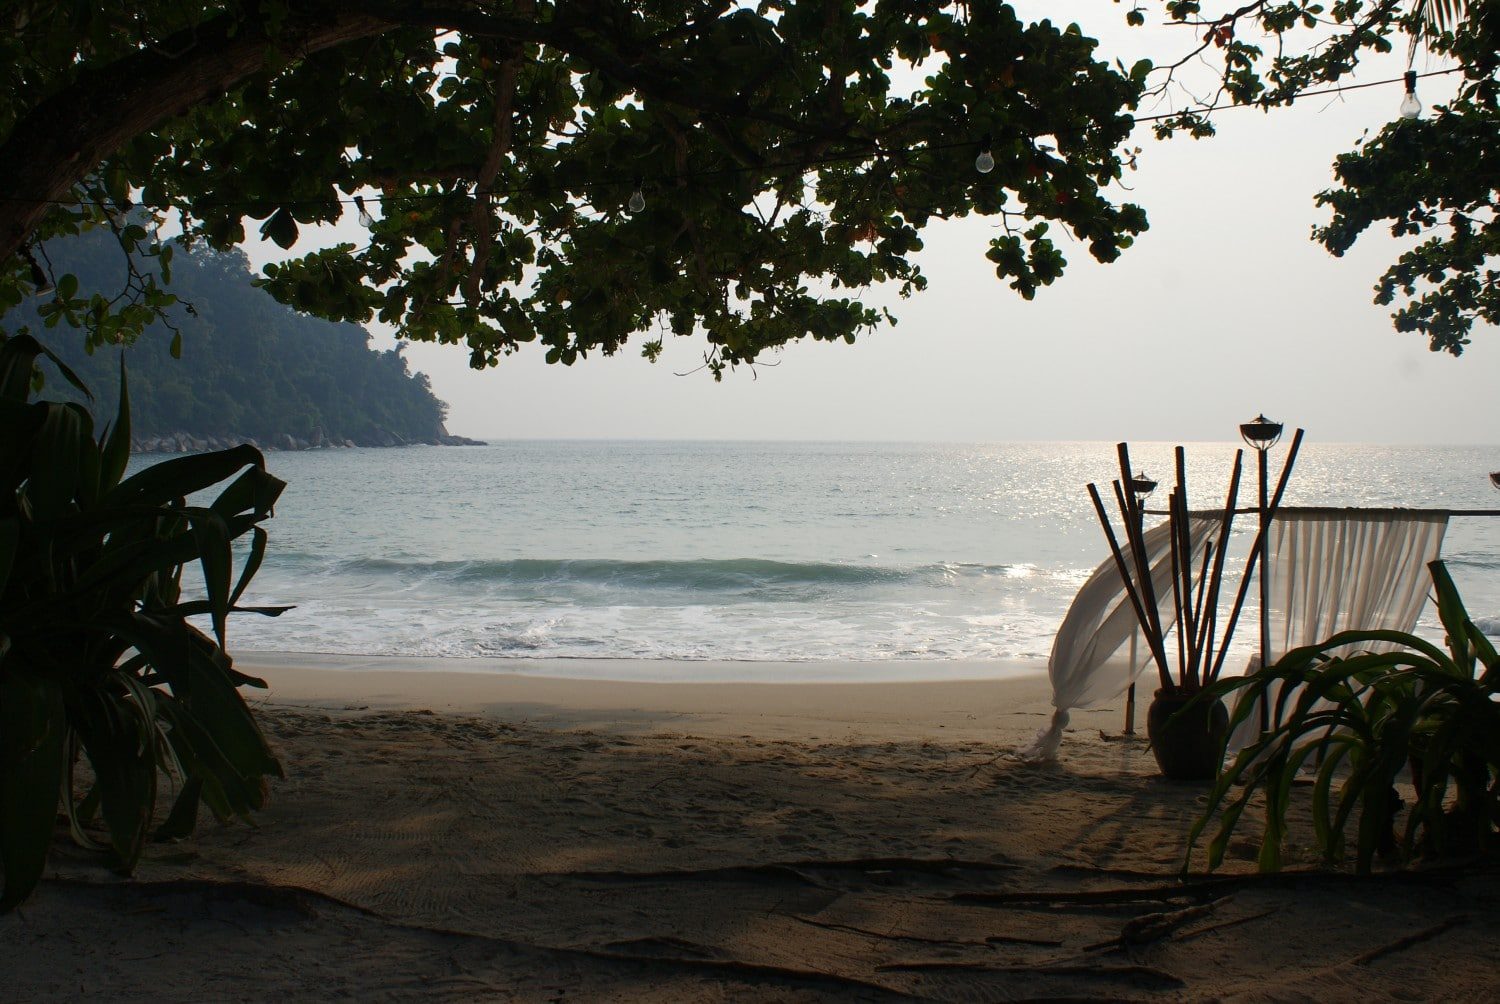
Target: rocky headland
(186,442)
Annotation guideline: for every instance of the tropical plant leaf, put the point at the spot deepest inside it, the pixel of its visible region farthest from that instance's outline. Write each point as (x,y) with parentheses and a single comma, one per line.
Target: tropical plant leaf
(116,453)
(119,741)
(180,477)
(183,818)
(257,553)
(18,355)
(211,538)
(33,731)
(1371,716)
(10,536)
(21,423)
(90,587)
(54,483)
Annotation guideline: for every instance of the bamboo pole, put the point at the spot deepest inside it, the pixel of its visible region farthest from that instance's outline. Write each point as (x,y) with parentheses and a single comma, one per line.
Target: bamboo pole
(1239,600)
(1198,662)
(1157,651)
(1145,583)
(1174,504)
(1135,529)
(1207,643)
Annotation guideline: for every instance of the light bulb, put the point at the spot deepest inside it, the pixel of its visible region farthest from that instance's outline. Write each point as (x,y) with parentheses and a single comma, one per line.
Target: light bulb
(365,219)
(637,201)
(1410,106)
(985,162)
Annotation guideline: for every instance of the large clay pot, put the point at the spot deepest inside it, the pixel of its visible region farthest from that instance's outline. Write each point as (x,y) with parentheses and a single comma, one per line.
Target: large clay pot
(1190,746)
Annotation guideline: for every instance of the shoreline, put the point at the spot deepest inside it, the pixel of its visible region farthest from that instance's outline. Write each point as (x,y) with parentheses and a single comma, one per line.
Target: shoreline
(1013,705)
(637,670)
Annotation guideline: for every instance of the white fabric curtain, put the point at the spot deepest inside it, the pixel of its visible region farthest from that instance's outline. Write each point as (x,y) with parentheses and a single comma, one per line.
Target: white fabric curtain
(1099,649)
(1344,570)
(1340,571)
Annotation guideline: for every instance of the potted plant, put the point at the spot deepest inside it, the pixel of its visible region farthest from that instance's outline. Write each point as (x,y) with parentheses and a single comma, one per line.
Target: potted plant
(1187,733)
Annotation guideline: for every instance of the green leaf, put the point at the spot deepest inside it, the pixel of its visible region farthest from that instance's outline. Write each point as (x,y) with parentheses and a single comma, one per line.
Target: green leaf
(183,818)
(214,557)
(58,448)
(258,540)
(17,360)
(33,727)
(182,476)
(281,228)
(116,454)
(10,534)
(120,744)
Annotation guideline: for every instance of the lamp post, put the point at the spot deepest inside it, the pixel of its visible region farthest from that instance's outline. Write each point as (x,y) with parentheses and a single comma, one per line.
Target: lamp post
(1140,487)
(1261,434)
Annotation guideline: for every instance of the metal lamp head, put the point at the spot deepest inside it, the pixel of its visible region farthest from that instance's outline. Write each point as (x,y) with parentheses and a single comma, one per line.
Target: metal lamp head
(1141,486)
(1262,433)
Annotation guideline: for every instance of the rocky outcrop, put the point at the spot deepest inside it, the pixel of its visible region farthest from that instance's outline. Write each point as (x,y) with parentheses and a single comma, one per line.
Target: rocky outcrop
(186,442)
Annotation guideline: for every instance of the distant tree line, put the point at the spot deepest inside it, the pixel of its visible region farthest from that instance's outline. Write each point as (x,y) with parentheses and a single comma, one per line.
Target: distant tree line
(249,367)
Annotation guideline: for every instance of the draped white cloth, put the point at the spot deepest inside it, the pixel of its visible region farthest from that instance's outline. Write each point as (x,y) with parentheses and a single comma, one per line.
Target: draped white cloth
(1342,570)
(1332,572)
(1099,650)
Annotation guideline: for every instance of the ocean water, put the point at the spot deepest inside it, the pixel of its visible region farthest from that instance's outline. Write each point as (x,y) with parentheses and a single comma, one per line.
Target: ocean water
(763,552)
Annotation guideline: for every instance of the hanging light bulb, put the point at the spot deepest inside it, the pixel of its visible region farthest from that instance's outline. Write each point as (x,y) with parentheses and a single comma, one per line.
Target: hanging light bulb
(637,199)
(1410,106)
(365,219)
(985,162)
(38,277)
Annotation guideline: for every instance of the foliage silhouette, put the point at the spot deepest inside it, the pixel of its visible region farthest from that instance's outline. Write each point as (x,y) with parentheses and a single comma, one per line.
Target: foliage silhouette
(97,656)
(1363,719)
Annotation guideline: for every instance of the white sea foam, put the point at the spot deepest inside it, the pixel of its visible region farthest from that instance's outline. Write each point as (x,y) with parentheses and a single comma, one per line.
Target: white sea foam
(809,553)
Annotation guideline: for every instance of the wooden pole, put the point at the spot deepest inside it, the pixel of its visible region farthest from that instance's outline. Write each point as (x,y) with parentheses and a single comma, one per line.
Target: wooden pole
(1255,550)
(1178,558)
(1146,584)
(1135,529)
(1157,651)
(1207,643)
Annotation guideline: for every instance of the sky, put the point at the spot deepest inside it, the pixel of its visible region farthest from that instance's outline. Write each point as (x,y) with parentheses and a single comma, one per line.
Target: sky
(1224,309)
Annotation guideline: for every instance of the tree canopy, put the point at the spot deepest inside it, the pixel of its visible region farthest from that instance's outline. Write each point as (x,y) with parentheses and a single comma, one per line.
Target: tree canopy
(1435,178)
(577,173)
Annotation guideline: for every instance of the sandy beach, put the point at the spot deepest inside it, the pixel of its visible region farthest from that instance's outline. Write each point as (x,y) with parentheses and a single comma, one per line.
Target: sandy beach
(459,836)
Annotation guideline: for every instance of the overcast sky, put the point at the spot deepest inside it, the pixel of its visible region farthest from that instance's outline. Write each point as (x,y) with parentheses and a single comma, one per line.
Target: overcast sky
(1225,308)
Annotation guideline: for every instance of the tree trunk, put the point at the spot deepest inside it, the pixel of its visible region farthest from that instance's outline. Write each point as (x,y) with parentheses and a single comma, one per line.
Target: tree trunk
(66,136)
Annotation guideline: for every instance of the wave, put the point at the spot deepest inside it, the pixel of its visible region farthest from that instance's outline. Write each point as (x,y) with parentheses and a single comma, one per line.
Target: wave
(1473,559)
(698,575)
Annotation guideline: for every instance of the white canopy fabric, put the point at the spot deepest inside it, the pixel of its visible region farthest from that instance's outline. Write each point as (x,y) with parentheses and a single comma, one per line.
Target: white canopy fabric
(1339,570)
(1099,650)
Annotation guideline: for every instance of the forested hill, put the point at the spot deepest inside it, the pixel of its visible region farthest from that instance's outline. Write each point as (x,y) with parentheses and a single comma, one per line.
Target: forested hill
(250,368)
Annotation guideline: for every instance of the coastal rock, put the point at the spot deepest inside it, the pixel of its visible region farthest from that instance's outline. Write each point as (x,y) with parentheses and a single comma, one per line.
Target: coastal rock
(185,442)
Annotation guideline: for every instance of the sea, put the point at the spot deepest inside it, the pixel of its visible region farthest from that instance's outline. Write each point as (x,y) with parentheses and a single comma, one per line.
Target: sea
(846,559)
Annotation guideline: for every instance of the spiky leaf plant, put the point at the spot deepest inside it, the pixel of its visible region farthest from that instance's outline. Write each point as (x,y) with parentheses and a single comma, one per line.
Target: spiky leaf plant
(97,656)
(1361,722)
